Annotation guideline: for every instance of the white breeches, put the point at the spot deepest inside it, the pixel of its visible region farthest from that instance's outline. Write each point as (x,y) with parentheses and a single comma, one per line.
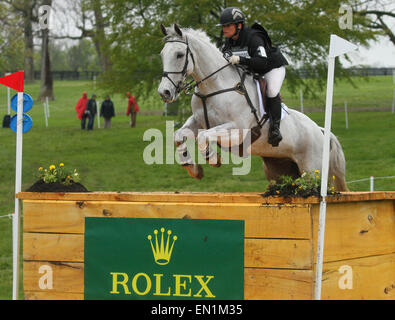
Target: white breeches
(274,78)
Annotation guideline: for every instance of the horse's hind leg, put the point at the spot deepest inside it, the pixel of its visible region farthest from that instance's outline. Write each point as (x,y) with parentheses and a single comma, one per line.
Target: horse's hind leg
(337,164)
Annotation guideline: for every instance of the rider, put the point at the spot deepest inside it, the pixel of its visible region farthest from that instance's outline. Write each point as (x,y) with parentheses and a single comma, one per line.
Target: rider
(252,47)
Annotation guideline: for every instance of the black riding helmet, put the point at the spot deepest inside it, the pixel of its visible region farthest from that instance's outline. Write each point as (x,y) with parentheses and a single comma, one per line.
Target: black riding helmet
(231,15)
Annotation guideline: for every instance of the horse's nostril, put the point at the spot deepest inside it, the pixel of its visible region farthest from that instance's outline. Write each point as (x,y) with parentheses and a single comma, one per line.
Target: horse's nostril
(166,93)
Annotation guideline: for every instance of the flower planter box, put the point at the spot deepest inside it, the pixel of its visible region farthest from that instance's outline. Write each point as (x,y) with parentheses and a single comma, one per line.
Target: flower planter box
(279,247)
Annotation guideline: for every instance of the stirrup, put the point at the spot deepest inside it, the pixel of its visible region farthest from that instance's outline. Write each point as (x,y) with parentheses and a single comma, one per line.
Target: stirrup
(274,140)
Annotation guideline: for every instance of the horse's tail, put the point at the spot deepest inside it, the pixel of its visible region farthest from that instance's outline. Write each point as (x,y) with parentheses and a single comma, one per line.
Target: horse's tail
(337,164)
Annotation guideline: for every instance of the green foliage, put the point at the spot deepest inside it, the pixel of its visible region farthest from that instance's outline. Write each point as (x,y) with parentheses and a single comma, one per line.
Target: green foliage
(308,184)
(11,42)
(301,28)
(83,56)
(58,174)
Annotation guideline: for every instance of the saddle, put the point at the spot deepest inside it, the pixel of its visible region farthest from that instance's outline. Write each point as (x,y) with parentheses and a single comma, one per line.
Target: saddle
(263,86)
(256,131)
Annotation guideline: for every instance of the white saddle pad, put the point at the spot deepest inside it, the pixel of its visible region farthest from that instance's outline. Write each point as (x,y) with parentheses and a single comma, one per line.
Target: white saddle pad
(284,109)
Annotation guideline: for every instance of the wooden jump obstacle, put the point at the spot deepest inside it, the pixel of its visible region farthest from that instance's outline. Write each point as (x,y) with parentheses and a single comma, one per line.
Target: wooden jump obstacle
(280,239)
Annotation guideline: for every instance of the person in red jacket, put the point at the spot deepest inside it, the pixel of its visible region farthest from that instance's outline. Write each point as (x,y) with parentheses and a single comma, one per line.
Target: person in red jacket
(132,110)
(81,106)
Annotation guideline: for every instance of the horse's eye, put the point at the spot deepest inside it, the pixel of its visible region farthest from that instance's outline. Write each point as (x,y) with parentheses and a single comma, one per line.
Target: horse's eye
(180,55)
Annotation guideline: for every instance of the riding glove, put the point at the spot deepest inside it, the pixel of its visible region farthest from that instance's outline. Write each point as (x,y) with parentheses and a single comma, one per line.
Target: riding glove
(234,59)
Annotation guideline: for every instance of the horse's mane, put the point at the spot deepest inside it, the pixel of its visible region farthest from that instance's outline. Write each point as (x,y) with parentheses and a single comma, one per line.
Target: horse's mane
(196,34)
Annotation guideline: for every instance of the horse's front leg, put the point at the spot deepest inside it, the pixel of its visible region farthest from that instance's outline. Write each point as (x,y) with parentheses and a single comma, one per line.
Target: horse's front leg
(188,131)
(219,134)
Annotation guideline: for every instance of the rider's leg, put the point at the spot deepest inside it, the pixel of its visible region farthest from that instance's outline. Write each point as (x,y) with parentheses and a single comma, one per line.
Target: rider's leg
(274,80)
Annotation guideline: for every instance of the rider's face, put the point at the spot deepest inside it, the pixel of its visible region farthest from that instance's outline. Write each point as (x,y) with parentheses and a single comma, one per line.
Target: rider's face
(229,30)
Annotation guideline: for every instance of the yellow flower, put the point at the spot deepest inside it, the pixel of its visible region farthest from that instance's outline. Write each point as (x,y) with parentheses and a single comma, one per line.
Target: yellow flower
(317,171)
(40,169)
(317,177)
(333,177)
(61,165)
(52,167)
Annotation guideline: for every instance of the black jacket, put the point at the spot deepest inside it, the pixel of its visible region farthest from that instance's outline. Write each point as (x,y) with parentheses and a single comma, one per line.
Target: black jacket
(91,106)
(255,49)
(107,109)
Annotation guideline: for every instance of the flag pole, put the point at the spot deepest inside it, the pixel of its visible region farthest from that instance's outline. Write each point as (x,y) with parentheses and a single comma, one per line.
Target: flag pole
(18,185)
(16,81)
(8,98)
(324,179)
(338,46)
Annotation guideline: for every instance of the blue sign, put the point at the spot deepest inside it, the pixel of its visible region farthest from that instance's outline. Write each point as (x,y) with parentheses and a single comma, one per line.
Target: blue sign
(27,102)
(26,125)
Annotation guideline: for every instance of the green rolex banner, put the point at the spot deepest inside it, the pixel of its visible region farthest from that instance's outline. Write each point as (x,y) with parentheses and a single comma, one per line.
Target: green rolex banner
(133,258)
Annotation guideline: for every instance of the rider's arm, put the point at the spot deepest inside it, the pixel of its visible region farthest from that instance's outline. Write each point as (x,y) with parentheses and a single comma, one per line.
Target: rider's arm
(259,61)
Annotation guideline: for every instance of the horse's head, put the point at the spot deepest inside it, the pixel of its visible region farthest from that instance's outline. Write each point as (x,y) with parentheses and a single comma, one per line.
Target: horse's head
(178,63)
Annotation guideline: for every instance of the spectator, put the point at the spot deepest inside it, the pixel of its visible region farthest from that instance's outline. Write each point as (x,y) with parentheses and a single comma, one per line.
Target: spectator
(80,108)
(90,111)
(107,111)
(133,108)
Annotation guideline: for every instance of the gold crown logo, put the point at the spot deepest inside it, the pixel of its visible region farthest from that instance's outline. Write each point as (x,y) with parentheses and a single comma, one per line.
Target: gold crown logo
(162,253)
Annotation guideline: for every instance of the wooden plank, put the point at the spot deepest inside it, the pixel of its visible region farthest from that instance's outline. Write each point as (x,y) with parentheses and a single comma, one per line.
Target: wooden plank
(358,229)
(272,221)
(50,295)
(277,284)
(259,283)
(362,196)
(259,253)
(202,197)
(179,197)
(53,247)
(67,277)
(373,278)
(278,253)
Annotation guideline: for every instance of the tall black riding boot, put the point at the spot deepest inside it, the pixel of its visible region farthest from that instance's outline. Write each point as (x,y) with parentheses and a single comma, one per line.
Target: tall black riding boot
(274,106)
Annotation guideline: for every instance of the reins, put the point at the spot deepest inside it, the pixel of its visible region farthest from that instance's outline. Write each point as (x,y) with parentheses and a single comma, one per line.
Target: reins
(189,86)
(239,88)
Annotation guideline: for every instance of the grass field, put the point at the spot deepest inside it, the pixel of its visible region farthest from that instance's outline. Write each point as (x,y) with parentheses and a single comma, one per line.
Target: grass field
(111,160)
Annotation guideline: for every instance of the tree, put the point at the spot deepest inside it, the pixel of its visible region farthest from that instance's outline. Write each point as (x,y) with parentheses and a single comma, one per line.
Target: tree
(46,90)
(301,28)
(377,16)
(91,18)
(27,9)
(11,41)
(83,56)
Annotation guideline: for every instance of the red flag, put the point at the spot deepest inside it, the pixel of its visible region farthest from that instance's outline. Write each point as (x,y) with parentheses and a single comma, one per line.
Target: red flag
(14,81)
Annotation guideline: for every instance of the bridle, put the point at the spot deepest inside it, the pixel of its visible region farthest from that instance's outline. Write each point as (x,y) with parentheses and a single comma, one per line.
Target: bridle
(179,87)
(240,88)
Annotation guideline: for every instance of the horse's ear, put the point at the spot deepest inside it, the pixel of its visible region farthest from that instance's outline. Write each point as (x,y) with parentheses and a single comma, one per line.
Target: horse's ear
(163,28)
(177,29)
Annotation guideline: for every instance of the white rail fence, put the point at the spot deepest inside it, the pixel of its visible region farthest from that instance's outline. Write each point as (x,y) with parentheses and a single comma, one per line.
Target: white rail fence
(371,179)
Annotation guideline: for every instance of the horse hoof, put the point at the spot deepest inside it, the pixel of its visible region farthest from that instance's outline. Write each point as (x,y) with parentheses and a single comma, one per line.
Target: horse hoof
(216,164)
(200,172)
(195,171)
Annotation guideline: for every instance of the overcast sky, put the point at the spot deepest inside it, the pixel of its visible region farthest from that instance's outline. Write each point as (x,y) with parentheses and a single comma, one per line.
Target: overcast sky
(380,54)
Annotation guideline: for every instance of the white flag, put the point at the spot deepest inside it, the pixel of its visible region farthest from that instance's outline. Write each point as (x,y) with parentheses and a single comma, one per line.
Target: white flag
(339,46)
